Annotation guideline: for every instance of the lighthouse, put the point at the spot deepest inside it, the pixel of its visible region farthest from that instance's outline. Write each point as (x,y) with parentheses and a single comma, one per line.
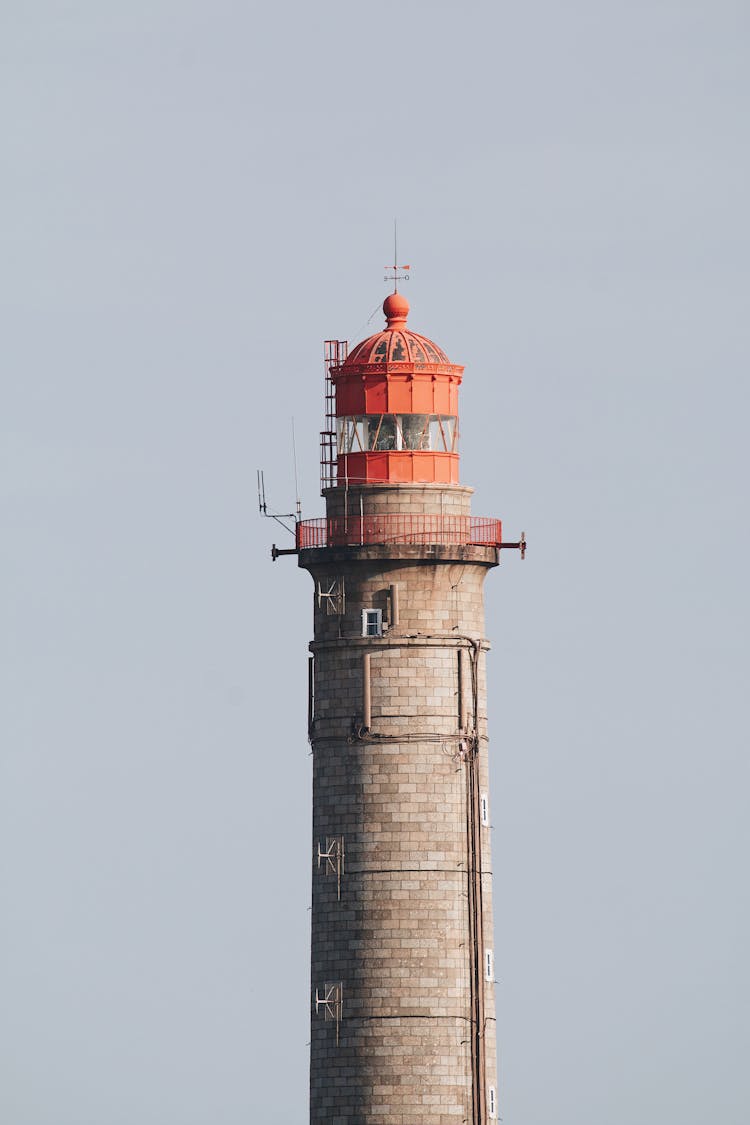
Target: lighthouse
(402,951)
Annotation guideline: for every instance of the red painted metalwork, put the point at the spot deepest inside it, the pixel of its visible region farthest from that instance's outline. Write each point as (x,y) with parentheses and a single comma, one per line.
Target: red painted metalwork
(396,372)
(400,467)
(357,531)
(402,392)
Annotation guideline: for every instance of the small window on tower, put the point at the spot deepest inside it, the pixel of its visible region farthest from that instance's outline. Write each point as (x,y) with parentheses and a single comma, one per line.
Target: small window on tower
(485,807)
(492,1102)
(489,965)
(372,623)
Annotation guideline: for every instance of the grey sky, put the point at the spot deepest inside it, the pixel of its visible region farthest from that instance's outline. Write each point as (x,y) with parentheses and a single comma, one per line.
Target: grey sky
(193,197)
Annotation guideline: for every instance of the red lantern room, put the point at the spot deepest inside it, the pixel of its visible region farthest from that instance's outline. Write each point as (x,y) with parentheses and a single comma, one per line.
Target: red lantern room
(396,407)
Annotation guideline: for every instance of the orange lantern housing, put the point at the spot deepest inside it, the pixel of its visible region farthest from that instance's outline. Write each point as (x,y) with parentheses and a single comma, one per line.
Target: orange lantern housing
(396,407)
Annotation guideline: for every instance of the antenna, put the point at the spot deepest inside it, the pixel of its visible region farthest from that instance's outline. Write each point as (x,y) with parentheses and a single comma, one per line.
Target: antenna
(393,274)
(297,501)
(263,507)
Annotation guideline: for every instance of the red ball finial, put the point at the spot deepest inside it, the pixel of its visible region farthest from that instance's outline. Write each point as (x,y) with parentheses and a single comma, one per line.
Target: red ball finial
(396,309)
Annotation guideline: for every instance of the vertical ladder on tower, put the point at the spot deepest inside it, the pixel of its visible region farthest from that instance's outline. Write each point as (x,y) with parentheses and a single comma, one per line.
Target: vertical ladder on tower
(335,352)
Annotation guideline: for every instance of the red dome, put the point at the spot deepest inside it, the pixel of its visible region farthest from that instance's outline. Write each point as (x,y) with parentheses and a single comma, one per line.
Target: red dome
(396,343)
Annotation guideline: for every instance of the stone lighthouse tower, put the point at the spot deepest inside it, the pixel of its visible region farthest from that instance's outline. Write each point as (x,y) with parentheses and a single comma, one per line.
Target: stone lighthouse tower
(403,978)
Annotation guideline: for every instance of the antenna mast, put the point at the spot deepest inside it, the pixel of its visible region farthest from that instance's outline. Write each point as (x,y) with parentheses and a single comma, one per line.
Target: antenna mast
(263,507)
(297,501)
(393,271)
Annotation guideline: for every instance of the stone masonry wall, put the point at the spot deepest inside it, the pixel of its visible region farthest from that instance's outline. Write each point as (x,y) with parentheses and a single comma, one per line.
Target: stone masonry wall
(392,932)
(399,499)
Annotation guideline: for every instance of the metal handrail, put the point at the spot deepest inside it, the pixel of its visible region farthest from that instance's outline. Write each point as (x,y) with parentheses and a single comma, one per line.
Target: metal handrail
(423,530)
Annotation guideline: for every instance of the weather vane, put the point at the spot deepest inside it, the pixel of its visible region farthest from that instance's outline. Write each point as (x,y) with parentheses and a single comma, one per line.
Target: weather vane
(393,271)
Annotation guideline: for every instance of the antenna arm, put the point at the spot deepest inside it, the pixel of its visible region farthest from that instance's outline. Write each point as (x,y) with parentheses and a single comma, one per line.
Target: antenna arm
(280,519)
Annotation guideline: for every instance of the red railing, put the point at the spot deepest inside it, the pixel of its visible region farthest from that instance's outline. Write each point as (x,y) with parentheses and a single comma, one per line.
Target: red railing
(356,531)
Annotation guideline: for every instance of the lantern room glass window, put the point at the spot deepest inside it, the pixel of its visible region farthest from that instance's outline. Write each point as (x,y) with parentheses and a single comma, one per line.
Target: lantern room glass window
(367,432)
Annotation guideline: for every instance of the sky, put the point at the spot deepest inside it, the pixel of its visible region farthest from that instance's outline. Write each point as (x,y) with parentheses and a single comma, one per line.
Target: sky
(195,196)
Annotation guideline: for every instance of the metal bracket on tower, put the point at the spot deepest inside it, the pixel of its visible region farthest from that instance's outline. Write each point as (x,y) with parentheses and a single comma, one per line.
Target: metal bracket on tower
(519,546)
(276,552)
(332,595)
(331,859)
(330,1001)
